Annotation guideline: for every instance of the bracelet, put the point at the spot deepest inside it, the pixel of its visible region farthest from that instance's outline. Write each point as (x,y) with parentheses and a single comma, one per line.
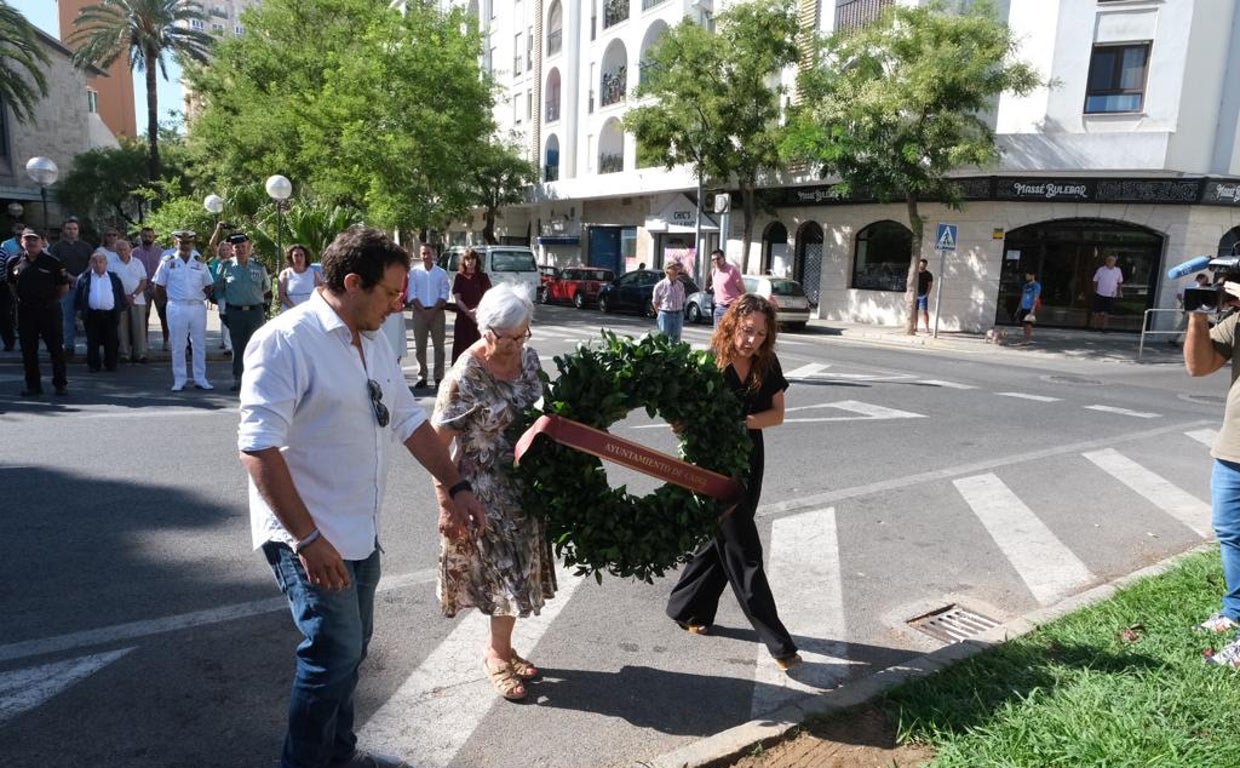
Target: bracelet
(463,485)
(310,538)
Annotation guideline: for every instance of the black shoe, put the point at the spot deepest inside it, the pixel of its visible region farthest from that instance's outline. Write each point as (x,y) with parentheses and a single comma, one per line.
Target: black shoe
(143,360)
(62,391)
(236,386)
(420,384)
(8,348)
(32,393)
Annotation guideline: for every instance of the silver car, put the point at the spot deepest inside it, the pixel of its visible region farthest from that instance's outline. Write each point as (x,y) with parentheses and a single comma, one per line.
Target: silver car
(791,305)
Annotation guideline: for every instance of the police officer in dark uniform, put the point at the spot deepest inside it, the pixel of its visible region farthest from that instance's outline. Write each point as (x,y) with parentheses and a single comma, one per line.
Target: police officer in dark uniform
(40,280)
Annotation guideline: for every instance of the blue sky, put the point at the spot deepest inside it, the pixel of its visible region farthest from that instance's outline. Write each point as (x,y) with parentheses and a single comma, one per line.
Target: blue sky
(43,14)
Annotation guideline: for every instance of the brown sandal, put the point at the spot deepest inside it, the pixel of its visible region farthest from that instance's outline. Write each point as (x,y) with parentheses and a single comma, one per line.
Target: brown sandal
(523,668)
(695,629)
(788,662)
(505,681)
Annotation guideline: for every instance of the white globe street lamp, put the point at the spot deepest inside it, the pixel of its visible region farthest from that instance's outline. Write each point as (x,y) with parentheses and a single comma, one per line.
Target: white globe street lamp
(42,171)
(214,204)
(16,210)
(279,189)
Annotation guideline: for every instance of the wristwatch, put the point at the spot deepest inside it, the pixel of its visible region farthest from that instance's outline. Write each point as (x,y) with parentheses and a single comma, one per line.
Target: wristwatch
(463,485)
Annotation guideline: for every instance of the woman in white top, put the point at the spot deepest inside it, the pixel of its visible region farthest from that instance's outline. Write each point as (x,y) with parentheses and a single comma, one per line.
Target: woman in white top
(298,280)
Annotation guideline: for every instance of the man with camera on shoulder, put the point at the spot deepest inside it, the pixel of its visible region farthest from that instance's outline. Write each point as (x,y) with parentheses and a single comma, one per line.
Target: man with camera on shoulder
(1206,350)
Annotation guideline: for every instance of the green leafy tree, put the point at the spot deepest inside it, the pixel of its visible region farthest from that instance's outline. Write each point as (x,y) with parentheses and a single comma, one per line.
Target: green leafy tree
(373,108)
(22,83)
(712,101)
(501,176)
(146,32)
(895,107)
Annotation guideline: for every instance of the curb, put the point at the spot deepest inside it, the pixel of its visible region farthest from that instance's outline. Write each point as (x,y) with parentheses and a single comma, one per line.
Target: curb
(726,747)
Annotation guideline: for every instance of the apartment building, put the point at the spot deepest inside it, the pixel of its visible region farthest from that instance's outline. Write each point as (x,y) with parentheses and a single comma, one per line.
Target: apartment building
(1132,152)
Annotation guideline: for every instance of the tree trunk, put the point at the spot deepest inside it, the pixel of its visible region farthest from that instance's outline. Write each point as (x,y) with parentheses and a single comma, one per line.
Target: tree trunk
(152,115)
(917,224)
(748,206)
(488,227)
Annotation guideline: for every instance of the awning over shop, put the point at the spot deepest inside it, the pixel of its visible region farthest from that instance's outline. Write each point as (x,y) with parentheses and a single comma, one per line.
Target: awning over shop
(559,240)
(680,216)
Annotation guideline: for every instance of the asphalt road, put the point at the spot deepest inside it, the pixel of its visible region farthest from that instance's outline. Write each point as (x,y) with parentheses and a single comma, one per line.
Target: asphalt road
(139,629)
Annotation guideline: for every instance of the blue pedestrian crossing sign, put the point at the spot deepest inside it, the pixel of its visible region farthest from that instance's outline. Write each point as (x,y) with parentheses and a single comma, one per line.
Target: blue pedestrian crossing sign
(945,240)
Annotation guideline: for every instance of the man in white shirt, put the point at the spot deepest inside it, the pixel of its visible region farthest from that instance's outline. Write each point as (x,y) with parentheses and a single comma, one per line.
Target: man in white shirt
(1108,287)
(428,296)
(323,404)
(132,273)
(100,298)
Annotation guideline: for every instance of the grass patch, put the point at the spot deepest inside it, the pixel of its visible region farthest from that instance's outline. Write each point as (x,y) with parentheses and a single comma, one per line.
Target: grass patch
(1121,683)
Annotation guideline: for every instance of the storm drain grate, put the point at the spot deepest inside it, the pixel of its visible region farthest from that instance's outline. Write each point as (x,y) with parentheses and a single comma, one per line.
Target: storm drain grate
(951,624)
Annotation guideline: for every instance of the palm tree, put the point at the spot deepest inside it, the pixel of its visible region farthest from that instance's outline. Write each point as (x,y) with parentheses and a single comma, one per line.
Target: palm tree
(22,84)
(145,31)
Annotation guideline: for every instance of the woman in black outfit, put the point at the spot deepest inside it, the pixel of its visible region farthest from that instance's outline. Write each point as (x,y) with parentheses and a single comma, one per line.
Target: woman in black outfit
(744,347)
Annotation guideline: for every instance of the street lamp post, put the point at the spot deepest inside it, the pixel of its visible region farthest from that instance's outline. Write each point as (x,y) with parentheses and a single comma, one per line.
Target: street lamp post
(42,171)
(214,205)
(279,189)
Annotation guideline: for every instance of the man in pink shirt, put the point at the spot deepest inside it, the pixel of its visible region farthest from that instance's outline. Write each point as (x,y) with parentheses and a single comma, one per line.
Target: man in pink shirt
(727,283)
(149,253)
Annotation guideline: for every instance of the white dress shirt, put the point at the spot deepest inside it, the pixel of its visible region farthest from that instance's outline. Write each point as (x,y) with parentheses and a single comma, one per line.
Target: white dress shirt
(101,292)
(305,392)
(185,281)
(131,275)
(428,286)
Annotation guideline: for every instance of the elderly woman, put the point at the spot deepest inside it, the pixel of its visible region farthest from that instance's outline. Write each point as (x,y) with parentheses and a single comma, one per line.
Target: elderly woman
(467,290)
(298,280)
(506,570)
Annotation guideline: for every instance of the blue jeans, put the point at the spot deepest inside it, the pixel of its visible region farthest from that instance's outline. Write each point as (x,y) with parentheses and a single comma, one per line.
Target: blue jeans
(336,627)
(720,311)
(670,323)
(70,320)
(1225,501)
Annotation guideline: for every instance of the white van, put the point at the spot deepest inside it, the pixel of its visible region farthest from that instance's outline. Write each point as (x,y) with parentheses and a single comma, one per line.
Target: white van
(503,264)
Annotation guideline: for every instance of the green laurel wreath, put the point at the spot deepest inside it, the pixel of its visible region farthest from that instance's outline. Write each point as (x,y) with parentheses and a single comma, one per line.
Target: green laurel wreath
(596,528)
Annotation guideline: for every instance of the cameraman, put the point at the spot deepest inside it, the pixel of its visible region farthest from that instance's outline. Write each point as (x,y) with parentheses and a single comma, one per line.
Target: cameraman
(1205,351)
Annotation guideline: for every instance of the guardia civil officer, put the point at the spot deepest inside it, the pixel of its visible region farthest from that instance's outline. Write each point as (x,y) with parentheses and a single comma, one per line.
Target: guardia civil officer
(40,280)
(241,282)
(186,282)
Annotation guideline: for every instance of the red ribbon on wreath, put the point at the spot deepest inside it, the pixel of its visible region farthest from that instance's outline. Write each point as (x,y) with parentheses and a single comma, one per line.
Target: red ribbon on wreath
(629,454)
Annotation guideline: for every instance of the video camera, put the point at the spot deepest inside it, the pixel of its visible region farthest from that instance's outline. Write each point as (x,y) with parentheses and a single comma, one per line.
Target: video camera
(1223,288)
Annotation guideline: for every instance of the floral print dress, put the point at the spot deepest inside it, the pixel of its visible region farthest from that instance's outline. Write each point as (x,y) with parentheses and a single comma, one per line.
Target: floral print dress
(508,570)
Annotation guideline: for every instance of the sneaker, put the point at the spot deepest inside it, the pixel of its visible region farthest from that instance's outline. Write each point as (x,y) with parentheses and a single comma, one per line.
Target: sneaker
(203,385)
(178,387)
(1227,656)
(1218,623)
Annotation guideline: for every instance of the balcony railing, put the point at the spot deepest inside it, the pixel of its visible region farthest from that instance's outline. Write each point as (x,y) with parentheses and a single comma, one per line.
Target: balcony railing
(852,14)
(551,172)
(555,41)
(614,12)
(553,111)
(648,4)
(611,163)
(613,87)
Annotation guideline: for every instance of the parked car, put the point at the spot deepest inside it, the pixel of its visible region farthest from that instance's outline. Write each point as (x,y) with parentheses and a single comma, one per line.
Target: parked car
(579,285)
(791,304)
(633,291)
(502,263)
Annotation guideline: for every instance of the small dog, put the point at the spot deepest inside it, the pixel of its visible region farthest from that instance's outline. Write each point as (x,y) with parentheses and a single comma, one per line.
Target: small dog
(996,336)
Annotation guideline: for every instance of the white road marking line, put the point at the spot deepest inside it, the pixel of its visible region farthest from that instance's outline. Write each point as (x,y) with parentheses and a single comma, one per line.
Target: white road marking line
(440,705)
(862,411)
(1204,436)
(945,384)
(1027,396)
(140,629)
(1175,501)
(1121,411)
(806,371)
(22,690)
(1049,568)
(804,573)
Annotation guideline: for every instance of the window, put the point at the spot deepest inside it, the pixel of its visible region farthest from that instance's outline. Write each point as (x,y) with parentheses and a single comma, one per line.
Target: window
(529,49)
(884,250)
(516,54)
(516,107)
(239,30)
(92,101)
(1117,78)
(529,105)
(555,27)
(196,24)
(553,96)
(217,29)
(614,12)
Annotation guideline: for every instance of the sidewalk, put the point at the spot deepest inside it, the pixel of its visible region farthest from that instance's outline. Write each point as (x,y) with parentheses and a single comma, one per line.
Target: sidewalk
(1069,343)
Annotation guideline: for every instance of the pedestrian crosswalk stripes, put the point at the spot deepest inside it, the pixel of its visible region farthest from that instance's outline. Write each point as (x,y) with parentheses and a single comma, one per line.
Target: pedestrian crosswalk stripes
(1048,567)
(1027,396)
(440,705)
(1204,436)
(1174,501)
(945,384)
(804,573)
(1121,411)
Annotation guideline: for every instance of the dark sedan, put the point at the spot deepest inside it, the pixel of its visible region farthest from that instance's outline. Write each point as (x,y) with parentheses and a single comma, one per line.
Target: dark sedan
(632,292)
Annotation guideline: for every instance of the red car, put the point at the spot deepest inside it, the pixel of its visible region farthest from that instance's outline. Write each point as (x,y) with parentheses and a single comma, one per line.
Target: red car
(579,285)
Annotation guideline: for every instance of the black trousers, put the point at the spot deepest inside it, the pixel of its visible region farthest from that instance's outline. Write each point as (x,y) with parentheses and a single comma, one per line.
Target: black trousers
(45,322)
(102,329)
(8,316)
(733,557)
